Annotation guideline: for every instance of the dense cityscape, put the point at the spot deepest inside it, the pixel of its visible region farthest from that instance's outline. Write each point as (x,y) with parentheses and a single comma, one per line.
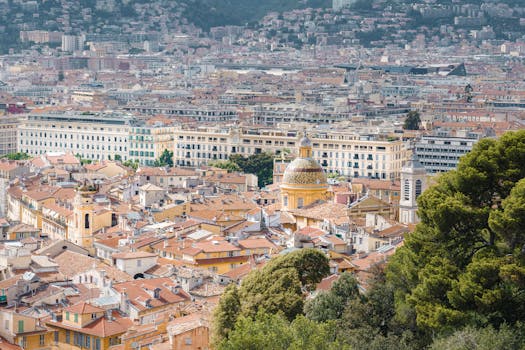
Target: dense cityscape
(314,174)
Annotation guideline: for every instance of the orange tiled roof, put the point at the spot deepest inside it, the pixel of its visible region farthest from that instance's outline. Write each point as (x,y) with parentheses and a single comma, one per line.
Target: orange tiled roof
(83,308)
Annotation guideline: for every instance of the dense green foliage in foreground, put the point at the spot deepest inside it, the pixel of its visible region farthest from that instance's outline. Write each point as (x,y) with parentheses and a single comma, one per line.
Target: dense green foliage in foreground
(457,283)
(260,164)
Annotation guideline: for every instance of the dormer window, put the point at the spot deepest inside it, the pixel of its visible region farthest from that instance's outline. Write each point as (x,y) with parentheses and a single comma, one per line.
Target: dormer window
(93,316)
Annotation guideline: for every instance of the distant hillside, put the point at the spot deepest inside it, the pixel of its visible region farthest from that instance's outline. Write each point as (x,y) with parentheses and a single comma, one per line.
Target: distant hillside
(212,13)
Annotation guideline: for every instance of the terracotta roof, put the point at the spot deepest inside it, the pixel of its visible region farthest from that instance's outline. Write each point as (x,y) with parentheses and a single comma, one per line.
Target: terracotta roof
(322,211)
(5,345)
(186,323)
(23,228)
(326,283)
(138,292)
(83,308)
(102,327)
(212,246)
(253,243)
(393,231)
(311,232)
(9,282)
(71,264)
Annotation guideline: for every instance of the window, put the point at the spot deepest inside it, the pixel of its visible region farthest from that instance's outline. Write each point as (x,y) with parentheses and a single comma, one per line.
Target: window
(20,326)
(187,341)
(97,344)
(139,263)
(285,201)
(406,190)
(93,316)
(68,340)
(418,188)
(300,202)
(76,318)
(42,339)
(87,341)
(86,221)
(56,336)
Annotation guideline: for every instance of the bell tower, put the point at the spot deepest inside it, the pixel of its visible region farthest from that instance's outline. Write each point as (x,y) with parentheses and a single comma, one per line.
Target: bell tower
(83,216)
(413,183)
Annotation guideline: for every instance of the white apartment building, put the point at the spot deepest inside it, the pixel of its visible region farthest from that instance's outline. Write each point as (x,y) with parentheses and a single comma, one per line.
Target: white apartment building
(92,136)
(338,151)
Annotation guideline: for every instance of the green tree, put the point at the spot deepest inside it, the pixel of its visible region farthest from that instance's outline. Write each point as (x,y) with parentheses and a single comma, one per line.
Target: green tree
(509,222)
(133,164)
(226,313)
(279,286)
(225,164)
(486,338)
(260,164)
(412,121)
(331,304)
(275,332)
(458,267)
(17,156)
(310,264)
(165,159)
(272,292)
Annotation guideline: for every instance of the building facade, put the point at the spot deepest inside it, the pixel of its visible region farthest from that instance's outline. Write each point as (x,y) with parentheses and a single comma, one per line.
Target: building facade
(441,152)
(337,151)
(91,136)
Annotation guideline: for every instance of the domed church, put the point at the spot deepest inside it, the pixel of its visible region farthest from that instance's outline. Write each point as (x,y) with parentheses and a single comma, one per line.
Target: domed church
(304,181)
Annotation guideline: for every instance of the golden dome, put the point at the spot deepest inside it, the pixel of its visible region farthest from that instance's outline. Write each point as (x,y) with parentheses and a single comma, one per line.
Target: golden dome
(304,171)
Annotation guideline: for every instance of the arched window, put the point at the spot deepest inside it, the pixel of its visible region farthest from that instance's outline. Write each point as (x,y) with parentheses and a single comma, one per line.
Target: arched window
(86,221)
(418,188)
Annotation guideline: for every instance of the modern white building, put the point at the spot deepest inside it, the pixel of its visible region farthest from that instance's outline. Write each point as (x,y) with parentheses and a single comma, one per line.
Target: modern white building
(71,43)
(441,151)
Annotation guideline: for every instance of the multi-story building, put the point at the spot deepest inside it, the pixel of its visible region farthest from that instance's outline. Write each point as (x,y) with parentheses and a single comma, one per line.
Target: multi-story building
(91,136)
(8,134)
(206,114)
(441,151)
(85,326)
(147,142)
(337,151)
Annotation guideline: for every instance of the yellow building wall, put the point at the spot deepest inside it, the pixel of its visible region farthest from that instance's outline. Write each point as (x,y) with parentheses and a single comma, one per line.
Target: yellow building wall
(212,228)
(219,266)
(63,345)
(172,213)
(309,195)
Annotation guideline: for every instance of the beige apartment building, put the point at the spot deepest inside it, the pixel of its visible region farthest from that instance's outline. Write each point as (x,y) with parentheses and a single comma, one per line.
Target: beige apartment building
(147,142)
(341,152)
(8,130)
